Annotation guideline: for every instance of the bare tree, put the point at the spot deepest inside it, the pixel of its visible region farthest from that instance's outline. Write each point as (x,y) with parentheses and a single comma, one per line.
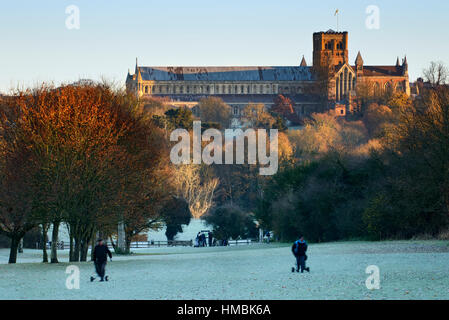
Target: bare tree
(437,73)
(198,192)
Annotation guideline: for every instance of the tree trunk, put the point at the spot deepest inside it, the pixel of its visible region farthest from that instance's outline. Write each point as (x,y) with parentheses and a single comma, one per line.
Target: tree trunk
(127,244)
(71,256)
(121,237)
(44,243)
(83,248)
(14,247)
(76,252)
(92,245)
(54,242)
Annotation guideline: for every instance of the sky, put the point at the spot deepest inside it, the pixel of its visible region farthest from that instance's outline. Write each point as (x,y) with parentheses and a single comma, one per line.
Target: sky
(37,46)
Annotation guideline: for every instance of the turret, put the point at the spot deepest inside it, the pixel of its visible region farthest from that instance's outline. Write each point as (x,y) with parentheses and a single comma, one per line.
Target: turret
(359,64)
(405,66)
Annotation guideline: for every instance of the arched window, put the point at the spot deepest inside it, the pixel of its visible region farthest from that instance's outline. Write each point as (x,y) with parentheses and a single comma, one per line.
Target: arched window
(346,81)
(146,89)
(388,87)
(377,90)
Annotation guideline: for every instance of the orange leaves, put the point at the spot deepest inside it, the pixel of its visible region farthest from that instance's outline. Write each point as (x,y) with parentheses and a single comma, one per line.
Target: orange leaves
(91,152)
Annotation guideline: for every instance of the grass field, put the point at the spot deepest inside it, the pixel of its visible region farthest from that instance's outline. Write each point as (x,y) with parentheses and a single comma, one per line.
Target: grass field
(408,270)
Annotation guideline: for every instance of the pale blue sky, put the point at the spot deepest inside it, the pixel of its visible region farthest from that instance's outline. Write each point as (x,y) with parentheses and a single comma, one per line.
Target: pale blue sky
(36,46)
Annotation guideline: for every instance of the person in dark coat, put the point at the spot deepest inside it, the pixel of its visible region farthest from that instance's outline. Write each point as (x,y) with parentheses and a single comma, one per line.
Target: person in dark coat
(210,239)
(299,249)
(100,257)
(203,240)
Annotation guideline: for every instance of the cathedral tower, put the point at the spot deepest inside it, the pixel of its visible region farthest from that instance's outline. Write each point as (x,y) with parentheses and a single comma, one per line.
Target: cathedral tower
(330,48)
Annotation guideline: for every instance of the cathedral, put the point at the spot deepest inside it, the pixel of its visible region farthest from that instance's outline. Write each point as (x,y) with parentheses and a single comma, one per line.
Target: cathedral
(239,86)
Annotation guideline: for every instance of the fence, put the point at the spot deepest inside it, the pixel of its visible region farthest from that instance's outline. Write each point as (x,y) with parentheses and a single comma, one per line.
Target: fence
(61,245)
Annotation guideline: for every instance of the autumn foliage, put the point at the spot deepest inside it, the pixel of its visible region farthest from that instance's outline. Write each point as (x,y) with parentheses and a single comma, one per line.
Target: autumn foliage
(87,157)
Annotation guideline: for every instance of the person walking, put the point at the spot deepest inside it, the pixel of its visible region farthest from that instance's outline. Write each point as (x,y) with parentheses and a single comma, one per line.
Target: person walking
(100,257)
(299,249)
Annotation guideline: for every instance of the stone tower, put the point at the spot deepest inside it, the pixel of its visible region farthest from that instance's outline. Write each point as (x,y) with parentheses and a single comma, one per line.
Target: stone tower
(330,48)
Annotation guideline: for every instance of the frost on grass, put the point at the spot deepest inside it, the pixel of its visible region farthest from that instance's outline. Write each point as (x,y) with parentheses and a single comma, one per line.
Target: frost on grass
(408,270)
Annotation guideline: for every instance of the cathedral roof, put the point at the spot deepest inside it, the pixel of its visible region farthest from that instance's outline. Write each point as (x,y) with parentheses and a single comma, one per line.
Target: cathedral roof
(296,73)
(382,71)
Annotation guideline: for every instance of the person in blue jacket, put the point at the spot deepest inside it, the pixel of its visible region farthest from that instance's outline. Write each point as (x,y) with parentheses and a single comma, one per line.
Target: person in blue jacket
(299,249)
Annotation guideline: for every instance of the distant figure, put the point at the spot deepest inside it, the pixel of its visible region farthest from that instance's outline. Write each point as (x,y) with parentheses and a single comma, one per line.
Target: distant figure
(210,239)
(197,239)
(203,240)
(299,249)
(268,236)
(100,257)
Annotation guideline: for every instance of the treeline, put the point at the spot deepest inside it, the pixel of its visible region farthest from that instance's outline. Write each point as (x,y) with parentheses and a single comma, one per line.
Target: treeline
(85,157)
(383,176)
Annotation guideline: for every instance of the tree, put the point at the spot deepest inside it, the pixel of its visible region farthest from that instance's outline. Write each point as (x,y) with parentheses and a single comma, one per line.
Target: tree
(180,118)
(378,119)
(214,109)
(17,191)
(436,74)
(196,188)
(257,117)
(231,222)
(97,160)
(283,106)
(175,213)
(419,144)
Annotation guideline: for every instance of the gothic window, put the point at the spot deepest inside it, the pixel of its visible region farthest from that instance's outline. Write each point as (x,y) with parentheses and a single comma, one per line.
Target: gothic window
(377,90)
(350,82)
(346,81)
(341,86)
